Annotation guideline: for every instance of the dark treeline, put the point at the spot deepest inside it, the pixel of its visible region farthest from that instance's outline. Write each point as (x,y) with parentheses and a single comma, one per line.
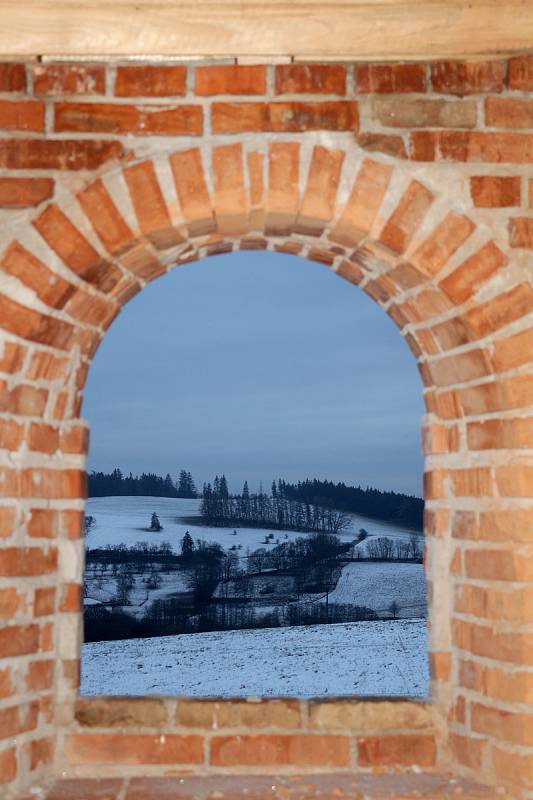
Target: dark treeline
(402,509)
(102,484)
(260,510)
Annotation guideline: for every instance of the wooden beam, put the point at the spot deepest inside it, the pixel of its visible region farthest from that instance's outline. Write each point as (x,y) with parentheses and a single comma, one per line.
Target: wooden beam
(303,29)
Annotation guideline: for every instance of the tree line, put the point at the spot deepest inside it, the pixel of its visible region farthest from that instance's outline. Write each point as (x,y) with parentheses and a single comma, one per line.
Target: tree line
(402,509)
(261,510)
(102,484)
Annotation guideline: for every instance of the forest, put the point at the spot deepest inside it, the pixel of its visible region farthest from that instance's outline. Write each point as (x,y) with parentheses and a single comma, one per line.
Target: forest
(275,508)
(102,484)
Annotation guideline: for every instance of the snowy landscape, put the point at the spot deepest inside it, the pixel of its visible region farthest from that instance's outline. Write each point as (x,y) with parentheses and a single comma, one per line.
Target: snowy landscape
(255,609)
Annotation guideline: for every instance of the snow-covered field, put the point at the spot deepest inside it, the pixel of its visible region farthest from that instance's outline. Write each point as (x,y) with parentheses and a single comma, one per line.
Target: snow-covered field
(377,585)
(359,658)
(123,520)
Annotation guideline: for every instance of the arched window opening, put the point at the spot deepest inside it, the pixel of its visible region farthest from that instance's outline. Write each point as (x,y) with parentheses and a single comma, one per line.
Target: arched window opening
(254,521)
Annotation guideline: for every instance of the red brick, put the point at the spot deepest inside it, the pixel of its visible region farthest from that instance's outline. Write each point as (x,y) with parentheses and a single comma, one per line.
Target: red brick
(472,146)
(460,368)
(150,207)
(22,562)
(43,438)
(310,79)
(509,525)
(467,77)
(61,154)
(229,196)
(397,751)
(47,367)
(508,112)
(8,765)
(182,120)
(230,79)
(289,117)
(500,433)
(74,249)
(390,78)
(283,198)
(469,276)
(53,484)
(7,689)
(24,400)
(12,77)
(18,640)
(382,143)
(409,213)
(87,789)
(514,687)
(506,725)
(269,750)
(11,434)
(12,357)
(466,750)
(318,204)
(15,720)
(512,767)
(23,115)
(10,602)
(515,480)
(25,192)
(7,521)
(442,243)
(50,287)
(41,752)
(497,565)
(484,640)
(363,204)
(513,351)
(46,639)
(192,191)
(43,523)
(501,310)
(132,749)
(71,598)
(490,191)
(40,675)
(506,394)
(105,217)
(44,601)
(75,439)
(150,81)
(58,79)
(472,482)
(521,73)
(521,232)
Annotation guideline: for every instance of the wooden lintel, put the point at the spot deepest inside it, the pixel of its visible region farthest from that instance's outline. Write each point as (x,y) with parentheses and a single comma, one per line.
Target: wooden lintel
(342,30)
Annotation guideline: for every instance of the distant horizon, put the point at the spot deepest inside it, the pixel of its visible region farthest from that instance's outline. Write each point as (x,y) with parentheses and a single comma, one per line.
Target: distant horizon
(267,484)
(250,361)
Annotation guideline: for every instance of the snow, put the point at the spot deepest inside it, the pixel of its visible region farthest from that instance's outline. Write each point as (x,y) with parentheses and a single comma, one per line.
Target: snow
(377,585)
(102,588)
(123,520)
(361,658)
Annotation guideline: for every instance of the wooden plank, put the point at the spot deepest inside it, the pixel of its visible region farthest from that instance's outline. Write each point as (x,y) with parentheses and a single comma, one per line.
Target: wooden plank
(305,29)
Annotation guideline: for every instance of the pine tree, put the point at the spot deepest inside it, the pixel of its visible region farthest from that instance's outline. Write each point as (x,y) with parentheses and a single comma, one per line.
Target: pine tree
(187,545)
(155,525)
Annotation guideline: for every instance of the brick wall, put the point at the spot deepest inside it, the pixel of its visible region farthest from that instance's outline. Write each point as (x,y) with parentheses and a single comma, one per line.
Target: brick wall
(412,181)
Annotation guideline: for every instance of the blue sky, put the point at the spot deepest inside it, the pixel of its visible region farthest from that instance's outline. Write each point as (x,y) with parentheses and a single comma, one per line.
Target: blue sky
(258,365)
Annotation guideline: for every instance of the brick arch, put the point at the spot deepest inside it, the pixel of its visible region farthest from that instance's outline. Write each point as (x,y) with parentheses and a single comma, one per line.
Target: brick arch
(464,308)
